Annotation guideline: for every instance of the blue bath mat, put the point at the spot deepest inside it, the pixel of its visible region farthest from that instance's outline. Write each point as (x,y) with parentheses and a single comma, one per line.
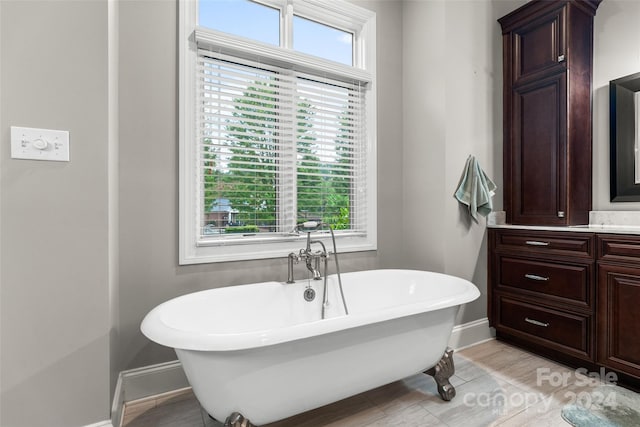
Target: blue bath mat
(606,406)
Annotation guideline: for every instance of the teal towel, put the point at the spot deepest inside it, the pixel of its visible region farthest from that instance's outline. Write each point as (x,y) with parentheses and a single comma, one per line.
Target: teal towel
(475,189)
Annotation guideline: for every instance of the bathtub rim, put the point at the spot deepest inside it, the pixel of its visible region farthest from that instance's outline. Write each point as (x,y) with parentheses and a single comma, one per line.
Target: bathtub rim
(154,328)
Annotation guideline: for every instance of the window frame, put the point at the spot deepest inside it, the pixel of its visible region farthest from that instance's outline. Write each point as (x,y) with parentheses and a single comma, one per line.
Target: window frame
(338,14)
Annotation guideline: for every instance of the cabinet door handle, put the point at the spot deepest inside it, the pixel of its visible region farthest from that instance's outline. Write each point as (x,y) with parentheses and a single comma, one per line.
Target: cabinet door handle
(561,58)
(536,322)
(536,243)
(536,277)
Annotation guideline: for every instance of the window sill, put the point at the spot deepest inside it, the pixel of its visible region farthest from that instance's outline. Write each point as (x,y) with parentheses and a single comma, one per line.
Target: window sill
(226,251)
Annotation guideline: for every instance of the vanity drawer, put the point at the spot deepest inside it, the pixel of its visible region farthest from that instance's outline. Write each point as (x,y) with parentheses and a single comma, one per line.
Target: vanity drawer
(555,329)
(546,242)
(544,278)
(619,248)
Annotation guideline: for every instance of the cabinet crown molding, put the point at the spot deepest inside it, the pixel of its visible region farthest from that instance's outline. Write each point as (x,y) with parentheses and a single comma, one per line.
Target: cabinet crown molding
(540,7)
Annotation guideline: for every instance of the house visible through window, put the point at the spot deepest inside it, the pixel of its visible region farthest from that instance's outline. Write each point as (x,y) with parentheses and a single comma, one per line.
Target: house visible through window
(282,128)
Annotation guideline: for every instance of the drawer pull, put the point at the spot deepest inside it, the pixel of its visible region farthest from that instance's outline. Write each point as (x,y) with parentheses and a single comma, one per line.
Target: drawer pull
(536,243)
(535,322)
(536,277)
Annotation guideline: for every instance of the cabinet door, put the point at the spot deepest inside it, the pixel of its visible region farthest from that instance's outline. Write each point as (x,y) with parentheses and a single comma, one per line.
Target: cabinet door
(537,152)
(619,318)
(538,47)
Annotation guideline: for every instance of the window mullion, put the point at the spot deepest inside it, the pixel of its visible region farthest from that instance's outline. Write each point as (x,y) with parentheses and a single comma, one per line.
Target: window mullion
(287,187)
(286,25)
(359,217)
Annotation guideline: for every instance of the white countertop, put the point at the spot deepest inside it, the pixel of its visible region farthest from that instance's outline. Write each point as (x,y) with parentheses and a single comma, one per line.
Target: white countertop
(614,222)
(574,228)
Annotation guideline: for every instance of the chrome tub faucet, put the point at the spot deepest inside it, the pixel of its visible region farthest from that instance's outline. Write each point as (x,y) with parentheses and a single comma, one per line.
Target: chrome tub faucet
(312,259)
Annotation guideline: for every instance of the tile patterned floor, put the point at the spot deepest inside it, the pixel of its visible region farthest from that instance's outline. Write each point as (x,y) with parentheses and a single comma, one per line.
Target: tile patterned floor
(496,384)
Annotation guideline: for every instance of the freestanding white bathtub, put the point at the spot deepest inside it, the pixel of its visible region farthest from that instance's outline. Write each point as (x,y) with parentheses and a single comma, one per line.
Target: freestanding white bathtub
(262,351)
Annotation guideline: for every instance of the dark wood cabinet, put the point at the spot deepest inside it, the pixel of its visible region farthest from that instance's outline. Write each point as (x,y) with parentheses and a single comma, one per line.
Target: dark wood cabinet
(561,282)
(547,60)
(556,330)
(536,44)
(618,299)
(541,291)
(539,184)
(571,296)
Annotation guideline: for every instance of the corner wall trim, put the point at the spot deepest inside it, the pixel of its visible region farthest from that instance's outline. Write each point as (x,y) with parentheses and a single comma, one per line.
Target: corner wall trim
(470,333)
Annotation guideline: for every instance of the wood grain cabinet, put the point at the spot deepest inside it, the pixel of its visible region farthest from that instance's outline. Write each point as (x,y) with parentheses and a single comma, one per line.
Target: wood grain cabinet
(547,60)
(535,43)
(571,296)
(541,291)
(619,303)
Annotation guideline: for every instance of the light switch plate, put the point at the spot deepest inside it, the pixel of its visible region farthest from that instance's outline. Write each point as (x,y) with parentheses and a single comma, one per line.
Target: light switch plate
(39,144)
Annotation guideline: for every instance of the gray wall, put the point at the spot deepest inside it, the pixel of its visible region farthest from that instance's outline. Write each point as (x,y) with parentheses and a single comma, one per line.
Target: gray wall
(62,293)
(616,54)
(452,87)
(54,267)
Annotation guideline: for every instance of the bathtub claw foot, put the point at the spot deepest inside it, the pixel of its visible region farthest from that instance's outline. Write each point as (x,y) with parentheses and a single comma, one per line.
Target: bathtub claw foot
(441,373)
(237,420)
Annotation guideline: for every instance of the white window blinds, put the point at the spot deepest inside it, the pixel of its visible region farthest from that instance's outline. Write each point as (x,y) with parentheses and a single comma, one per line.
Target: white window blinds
(276,147)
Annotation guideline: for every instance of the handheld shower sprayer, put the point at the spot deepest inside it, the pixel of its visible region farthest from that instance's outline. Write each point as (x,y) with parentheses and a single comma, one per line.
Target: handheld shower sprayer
(309,227)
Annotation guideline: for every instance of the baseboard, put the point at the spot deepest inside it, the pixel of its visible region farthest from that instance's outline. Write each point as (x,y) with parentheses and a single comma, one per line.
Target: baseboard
(106,423)
(143,382)
(469,334)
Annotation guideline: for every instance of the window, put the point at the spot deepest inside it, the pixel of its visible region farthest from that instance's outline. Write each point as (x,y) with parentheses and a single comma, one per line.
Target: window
(277,126)
(242,18)
(336,44)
